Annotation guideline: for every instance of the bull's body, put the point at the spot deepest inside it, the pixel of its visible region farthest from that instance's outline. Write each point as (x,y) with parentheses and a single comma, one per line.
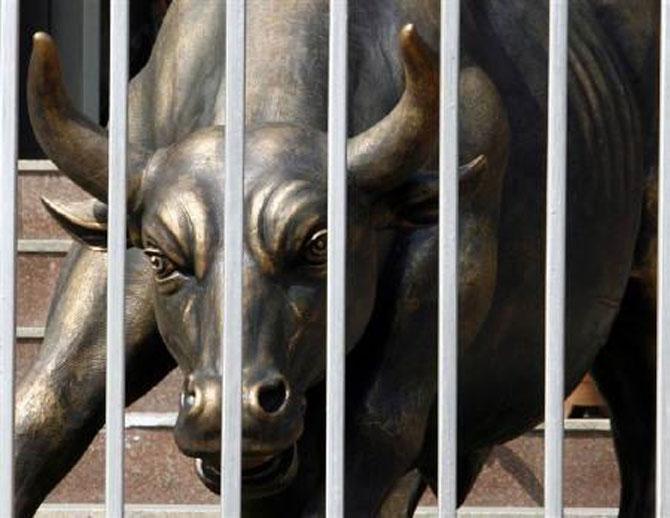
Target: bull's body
(391,370)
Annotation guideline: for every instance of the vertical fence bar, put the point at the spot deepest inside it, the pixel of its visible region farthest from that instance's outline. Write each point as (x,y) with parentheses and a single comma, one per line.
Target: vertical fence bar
(448,259)
(231,344)
(90,59)
(337,238)
(9,57)
(116,257)
(663,312)
(555,257)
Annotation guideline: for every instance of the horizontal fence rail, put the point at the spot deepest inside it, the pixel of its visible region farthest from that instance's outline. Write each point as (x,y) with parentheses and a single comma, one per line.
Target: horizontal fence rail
(9,73)
(206,511)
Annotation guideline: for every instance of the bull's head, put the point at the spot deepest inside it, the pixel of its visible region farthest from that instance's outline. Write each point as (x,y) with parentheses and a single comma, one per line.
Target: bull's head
(175,200)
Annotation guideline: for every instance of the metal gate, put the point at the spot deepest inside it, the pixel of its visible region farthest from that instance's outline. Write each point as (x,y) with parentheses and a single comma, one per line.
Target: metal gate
(231,274)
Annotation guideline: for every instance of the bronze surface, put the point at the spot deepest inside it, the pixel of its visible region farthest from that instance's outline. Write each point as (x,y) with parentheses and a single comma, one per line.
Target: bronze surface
(175,245)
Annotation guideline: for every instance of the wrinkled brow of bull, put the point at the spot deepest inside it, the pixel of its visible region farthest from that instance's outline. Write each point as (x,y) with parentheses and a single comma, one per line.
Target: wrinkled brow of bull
(280,217)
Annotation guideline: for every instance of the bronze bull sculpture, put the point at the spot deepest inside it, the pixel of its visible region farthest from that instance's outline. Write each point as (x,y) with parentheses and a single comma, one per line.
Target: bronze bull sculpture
(175,197)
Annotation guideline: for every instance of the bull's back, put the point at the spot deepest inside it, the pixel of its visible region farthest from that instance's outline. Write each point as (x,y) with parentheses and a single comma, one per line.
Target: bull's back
(502,372)
(182,87)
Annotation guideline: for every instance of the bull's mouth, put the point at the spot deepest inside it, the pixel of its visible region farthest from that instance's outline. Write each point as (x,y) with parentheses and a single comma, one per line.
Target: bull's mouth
(261,476)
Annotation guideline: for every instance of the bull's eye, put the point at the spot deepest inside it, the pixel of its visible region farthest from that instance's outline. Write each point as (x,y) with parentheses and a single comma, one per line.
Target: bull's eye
(316,248)
(161,265)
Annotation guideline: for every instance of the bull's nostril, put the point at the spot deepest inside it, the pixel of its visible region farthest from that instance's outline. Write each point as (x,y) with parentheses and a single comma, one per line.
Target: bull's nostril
(189,399)
(189,394)
(272,396)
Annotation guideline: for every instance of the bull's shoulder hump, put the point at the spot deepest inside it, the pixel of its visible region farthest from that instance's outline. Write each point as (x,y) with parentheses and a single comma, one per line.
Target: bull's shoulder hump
(510,40)
(605,117)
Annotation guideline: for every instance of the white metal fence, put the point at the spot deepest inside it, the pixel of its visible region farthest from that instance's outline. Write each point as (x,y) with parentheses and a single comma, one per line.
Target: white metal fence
(554,299)
(116,258)
(232,271)
(9,58)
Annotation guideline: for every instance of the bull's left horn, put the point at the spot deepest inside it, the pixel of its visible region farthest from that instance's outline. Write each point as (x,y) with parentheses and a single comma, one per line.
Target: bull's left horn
(383,155)
(75,144)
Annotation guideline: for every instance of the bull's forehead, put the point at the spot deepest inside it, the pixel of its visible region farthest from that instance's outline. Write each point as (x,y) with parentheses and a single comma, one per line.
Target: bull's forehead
(286,196)
(201,153)
(271,151)
(280,215)
(285,193)
(285,152)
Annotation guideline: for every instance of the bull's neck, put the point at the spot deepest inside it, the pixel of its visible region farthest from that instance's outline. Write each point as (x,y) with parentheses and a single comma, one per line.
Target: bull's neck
(287,62)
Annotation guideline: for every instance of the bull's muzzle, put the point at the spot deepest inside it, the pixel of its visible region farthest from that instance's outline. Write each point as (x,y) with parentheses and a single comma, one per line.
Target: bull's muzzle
(271,415)
(272,424)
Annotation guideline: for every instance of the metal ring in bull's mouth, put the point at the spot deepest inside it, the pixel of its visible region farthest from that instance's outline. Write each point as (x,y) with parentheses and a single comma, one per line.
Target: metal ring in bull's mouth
(266,479)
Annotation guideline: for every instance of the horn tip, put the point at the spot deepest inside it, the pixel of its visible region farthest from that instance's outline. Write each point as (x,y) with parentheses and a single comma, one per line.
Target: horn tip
(51,206)
(44,47)
(480,162)
(42,39)
(474,166)
(408,28)
(48,204)
(419,59)
(407,33)
(413,44)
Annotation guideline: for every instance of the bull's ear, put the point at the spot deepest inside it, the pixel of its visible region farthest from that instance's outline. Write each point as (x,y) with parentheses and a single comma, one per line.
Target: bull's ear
(86,221)
(416,202)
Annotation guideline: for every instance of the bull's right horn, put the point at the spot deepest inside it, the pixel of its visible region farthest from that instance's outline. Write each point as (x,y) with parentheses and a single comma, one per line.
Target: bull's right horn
(383,155)
(76,145)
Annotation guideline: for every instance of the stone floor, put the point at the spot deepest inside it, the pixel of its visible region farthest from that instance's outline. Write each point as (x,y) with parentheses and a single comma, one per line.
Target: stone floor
(140,511)
(156,473)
